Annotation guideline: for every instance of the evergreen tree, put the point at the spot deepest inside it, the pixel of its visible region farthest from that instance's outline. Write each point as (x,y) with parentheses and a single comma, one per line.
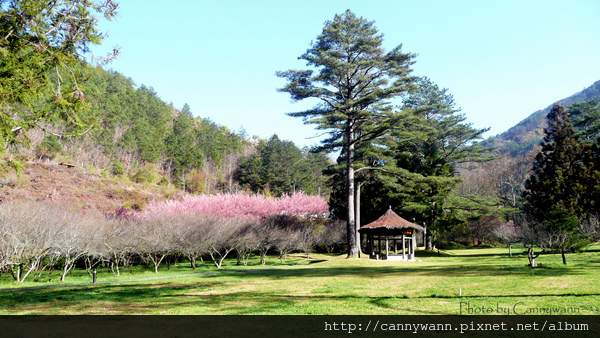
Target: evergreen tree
(553,186)
(282,168)
(413,165)
(354,80)
(37,37)
(441,139)
(555,193)
(586,120)
(181,147)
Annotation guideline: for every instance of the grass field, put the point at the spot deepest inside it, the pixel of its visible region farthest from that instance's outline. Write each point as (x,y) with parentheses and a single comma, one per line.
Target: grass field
(326,284)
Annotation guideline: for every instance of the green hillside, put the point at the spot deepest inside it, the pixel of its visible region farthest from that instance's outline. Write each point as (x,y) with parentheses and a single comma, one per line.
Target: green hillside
(529,133)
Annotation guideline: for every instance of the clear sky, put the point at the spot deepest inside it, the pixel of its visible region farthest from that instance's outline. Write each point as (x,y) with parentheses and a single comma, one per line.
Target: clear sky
(502,60)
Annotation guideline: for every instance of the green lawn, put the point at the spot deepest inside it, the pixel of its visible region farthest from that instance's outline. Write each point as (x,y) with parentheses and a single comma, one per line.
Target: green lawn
(327,285)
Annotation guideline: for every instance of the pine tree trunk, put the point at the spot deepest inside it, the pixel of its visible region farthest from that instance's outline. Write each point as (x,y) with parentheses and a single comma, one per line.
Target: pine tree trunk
(351,211)
(428,239)
(357,217)
(564,258)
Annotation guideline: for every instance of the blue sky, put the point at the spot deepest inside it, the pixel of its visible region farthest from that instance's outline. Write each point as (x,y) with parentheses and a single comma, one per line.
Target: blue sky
(502,60)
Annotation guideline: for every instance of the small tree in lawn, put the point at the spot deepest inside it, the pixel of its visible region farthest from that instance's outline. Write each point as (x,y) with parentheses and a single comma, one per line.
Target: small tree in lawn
(507,234)
(247,241)
(530,234)
(73,239)
(590,227)
(28,236)
(265,235)
(307,234)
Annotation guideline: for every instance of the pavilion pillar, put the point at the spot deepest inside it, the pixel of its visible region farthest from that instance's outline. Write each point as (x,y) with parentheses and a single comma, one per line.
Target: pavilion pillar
(403,248)
(379,245)
(387,252)
(395,246)
(414,244)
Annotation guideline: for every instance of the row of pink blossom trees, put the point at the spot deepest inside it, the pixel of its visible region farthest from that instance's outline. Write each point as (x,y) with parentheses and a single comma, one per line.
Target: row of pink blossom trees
(35,236)
(252,207)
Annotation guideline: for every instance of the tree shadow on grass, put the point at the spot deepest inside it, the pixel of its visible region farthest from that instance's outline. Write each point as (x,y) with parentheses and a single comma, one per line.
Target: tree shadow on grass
(471,270)
(114,293)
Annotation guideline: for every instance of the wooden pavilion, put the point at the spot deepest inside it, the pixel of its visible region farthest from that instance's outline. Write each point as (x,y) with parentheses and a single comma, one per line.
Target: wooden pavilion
(391,229)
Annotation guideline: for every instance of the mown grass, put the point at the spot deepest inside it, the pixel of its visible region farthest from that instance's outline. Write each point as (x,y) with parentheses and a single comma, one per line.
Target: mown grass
(327,284)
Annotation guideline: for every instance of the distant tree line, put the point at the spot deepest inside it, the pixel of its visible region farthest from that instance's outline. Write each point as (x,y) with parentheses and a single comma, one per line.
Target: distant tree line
(279,167)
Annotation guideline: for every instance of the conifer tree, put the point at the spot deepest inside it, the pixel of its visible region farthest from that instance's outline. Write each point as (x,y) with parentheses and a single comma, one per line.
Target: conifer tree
(555,193)
(434,139)
(354,78)
(40,43)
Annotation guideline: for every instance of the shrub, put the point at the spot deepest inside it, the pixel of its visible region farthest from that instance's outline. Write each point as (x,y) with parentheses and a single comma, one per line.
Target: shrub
(146,174)
(118,168)
(49,147)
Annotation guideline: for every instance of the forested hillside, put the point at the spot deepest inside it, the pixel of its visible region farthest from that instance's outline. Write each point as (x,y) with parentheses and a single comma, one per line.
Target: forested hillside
(527,134)
(134,137)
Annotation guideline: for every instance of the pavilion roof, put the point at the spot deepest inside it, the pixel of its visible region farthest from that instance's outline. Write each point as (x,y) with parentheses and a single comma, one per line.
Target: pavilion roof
(391,220)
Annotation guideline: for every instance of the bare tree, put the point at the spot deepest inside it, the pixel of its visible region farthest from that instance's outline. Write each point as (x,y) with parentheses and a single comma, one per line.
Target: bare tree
(222,238)
(285,234)
(590,227)
(191,236)
(307,235)
(73,238)
(27,236)
(155,238)
(247,242)
(507,234)
(264,233)
(333,235)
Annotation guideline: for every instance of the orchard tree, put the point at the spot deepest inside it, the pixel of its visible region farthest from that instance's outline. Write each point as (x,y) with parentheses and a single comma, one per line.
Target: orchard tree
(354,79)
(40,43)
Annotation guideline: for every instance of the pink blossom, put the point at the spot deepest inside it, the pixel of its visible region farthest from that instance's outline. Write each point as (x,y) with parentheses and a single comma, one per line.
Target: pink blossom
(241,205)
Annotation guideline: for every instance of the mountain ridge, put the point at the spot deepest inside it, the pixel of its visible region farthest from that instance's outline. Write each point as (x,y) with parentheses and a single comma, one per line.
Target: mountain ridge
(525,135)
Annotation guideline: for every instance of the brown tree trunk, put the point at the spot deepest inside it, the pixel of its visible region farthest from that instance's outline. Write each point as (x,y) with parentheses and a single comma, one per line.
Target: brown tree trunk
(564,258)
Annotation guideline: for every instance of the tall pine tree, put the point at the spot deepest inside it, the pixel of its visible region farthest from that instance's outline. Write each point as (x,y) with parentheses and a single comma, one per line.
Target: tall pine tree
(354,78)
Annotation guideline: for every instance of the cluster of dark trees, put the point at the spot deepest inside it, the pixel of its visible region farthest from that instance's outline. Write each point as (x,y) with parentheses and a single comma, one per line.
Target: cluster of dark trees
(37,237)
(280,167)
